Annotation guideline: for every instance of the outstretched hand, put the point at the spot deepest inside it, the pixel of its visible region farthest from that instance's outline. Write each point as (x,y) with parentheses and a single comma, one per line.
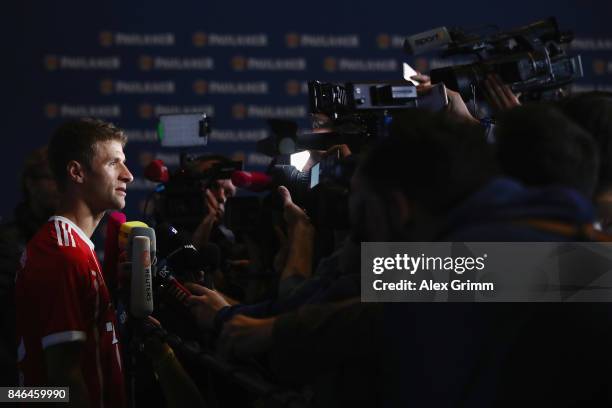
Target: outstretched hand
(293,214)
(499,95)
(243,336)
(204,303)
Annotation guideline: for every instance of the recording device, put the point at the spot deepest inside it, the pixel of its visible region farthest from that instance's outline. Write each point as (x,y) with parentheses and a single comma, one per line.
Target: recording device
(143,231)
(182,130)
(354,113)
(171,291)
(322,190)
(141,287)
(334,100)
(136,245)
(530,59)
(182,200)
(297,182)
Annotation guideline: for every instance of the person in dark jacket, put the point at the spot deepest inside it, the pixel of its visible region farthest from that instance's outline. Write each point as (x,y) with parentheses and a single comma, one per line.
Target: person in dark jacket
(40,199)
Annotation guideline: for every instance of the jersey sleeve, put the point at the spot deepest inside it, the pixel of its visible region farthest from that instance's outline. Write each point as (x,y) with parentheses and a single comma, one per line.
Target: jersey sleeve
(63,302)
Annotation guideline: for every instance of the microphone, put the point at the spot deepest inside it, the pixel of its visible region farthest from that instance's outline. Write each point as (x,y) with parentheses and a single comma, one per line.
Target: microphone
(124,233)
(252,180)
(141,287)
(111,248)
(157,172)
(172,290)
(125,252)
(143,231)
(434,39)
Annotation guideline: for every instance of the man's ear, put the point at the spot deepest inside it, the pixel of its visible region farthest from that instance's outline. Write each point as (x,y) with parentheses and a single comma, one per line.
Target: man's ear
(404,208)
(76,172)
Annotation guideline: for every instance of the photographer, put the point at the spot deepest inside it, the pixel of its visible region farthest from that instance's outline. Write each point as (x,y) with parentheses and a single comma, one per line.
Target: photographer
(441,354)
(593,112)
(215,196)
(553,150)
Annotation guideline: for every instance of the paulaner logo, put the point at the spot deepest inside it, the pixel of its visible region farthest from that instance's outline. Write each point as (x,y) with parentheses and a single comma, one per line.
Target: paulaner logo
(240,63)
(55,62)
(108,87)
(294,40)
(108,39)
(405,262)
(201,39)
(53,111)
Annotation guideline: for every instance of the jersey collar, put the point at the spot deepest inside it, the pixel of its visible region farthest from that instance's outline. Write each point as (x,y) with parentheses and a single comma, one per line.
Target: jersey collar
(79,231)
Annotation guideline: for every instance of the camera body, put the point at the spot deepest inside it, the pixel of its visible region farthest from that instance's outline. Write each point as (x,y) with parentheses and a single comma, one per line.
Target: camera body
(182,201)
(530,59)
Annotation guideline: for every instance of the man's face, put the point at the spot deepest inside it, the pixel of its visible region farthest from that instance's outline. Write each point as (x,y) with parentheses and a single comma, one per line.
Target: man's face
(223,189)
(106,182)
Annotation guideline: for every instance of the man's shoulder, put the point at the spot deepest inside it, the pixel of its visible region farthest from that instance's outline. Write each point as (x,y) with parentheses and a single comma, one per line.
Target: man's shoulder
(56,245)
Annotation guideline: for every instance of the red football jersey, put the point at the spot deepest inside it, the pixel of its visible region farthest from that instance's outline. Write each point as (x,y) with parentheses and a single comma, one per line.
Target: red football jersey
(61,297)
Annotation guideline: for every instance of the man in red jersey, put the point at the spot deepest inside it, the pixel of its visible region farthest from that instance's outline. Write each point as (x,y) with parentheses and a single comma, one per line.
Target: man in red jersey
(65,319)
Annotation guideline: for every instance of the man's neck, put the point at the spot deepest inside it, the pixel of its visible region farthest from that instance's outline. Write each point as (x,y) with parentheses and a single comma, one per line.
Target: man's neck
(81,215)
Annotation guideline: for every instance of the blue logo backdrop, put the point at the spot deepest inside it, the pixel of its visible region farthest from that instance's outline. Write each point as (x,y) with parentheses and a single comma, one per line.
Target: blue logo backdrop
(241,62)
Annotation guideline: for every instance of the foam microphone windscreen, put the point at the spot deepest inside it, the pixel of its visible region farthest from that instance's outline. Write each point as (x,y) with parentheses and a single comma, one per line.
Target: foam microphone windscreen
(111,248)
(252,180)
(141,286)
(124,232)
(144,232)
(156,171)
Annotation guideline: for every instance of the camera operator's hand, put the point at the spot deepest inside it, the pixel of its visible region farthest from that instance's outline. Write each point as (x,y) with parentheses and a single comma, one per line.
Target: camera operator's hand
(293,214)
(280,259)
(243,336)
(300,235)
(213,216)
(205,303)
(456,106)
(499,95)
(423,80)
(216,209)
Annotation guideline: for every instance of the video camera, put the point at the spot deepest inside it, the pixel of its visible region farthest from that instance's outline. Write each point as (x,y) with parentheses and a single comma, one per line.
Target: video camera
(322,190)
(529,59)
(351,113)
(181,193)
(181,197)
